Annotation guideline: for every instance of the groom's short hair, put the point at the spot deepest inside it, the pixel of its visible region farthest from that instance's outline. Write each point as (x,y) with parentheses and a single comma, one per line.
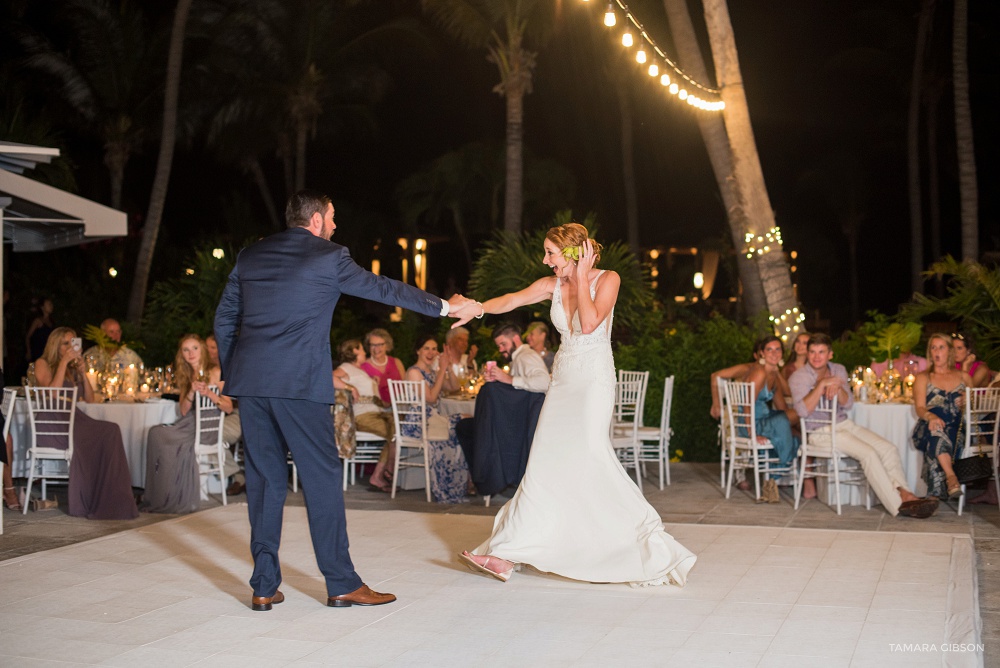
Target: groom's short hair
(302,205)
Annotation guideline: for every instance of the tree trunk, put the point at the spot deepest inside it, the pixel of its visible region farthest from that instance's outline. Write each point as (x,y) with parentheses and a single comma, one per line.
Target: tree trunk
(463,239)
(749,177)
(968,191)
(252,165)
(116,156)
(158,194)
(513,202)
(713,133)
(628,165)
(301,141)
(934,93)
(913,149)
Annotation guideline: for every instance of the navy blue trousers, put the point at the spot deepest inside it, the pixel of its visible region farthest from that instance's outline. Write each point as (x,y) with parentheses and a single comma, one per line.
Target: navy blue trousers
(272,428)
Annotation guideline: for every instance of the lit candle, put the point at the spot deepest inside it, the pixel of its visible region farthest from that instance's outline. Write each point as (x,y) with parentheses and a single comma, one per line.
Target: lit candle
(92,379)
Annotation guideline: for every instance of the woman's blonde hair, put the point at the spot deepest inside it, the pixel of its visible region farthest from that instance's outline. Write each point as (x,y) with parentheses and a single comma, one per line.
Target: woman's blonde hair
(183,373)
(51,352)
(573,234)
(951,349)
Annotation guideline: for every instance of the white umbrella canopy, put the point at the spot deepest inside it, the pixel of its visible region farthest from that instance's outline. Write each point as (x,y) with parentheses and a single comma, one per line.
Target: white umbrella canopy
(38,217)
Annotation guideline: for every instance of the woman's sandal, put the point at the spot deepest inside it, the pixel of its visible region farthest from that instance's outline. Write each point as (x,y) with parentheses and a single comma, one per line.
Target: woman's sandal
(474,565)
(954,487)
(8,504)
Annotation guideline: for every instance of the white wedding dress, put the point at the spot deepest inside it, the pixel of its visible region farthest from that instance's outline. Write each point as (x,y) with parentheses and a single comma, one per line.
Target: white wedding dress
(577,513)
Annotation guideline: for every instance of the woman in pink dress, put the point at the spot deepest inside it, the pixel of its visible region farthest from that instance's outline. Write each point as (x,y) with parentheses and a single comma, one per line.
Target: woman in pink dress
(382,368)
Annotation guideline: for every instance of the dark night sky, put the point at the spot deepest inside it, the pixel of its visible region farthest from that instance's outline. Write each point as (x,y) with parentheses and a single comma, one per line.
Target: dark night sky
(827,83)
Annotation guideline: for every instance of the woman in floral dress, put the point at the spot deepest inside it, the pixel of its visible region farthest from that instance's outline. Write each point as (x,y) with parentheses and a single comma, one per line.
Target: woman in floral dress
(449,470)
(939,395)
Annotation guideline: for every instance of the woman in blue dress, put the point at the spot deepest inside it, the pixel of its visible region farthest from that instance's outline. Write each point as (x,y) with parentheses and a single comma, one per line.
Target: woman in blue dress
(939,398)
(771,412)
(449,470)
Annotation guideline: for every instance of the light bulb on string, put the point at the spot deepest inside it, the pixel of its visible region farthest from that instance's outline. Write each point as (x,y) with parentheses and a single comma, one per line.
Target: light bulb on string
(665,79)
(627,39)
(609,16)
(640,56)
(654,70)
(674,88)
(683,94)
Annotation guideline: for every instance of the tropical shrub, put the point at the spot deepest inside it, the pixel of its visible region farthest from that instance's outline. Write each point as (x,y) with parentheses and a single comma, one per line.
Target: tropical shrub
(179,306)
(689,352)
(973,301)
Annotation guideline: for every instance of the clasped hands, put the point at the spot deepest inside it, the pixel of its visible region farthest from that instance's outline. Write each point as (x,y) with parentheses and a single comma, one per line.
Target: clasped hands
(464,309)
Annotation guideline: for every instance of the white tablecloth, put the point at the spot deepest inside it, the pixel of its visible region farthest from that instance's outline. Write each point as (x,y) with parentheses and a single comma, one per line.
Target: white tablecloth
(449,406)
(133,419)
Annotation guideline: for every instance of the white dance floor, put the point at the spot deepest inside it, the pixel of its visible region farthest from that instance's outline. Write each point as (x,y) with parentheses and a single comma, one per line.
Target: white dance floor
(175,593)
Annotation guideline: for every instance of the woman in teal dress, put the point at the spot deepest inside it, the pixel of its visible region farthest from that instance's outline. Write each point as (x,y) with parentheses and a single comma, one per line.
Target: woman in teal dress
(771,412)
(939,398)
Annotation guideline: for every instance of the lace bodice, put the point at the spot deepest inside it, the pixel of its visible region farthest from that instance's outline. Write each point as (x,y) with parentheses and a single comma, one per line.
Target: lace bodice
(589,354)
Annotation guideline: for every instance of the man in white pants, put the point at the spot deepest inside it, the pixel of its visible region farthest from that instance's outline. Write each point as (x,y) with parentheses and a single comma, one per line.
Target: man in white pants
(878,457)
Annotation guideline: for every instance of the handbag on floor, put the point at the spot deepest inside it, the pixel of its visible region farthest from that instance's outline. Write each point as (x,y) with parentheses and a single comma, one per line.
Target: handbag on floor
(971,469)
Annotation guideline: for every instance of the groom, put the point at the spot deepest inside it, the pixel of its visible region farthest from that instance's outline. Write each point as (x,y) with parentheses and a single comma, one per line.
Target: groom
(273,330)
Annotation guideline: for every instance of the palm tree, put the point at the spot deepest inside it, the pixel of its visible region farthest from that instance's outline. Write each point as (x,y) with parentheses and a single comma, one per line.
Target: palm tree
(460,184)
(278,67)
(505,28)
(158,194)
(713,133)
(105,75)
(913,147)
(749,178)
(968,190)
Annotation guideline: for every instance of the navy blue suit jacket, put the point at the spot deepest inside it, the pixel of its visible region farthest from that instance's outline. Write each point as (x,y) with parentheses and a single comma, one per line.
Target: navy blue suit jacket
(273,321)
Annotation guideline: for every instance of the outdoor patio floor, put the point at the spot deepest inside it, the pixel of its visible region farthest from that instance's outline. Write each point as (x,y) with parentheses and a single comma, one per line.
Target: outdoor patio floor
(773,586)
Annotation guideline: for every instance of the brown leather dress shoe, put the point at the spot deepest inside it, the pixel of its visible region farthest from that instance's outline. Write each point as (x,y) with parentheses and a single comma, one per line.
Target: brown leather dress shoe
(262,603)
(363,595)
(919,508)
(235,489)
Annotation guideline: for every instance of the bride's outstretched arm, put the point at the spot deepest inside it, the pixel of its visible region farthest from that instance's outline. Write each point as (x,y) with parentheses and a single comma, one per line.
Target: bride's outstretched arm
(538,291)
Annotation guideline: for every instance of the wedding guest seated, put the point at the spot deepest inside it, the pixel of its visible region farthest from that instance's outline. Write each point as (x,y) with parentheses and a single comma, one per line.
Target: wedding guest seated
(115,352)
(906,361)
(462,356)
(371,414)
(878,457)
(379,364)
(537,337)
(939,398)
(232,428)
(449,472)
(172,476)
(100,486)
(965,359)
(737,372)
(497,440)
(797,356)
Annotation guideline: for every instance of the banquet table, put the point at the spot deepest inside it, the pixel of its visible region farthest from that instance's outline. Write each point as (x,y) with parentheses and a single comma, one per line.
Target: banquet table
(894,423)
(134,420)
(457,406)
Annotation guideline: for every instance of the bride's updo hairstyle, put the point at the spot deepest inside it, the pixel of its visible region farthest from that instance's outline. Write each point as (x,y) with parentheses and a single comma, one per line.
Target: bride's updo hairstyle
(573,234)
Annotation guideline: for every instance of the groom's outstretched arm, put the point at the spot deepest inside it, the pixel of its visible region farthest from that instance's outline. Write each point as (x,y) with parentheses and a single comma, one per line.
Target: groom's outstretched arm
(359,282)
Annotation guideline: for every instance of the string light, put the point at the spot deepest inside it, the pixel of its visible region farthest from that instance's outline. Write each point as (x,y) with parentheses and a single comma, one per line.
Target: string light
(609,16)
(787,323)
(693,92)
(760,244)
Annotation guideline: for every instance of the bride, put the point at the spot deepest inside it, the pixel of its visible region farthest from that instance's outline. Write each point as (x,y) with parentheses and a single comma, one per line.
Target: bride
(577,513)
